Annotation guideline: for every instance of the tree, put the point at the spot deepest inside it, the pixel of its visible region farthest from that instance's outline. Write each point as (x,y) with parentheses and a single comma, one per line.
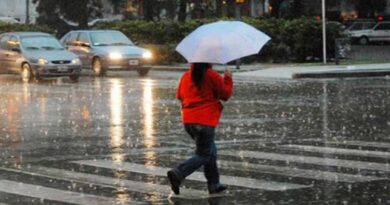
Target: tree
(275,5)
(369,9)
(170,7)
(80,11)
(117,4)
(218,9)
(61,14)
(149,9)
(297,8)
(182,10)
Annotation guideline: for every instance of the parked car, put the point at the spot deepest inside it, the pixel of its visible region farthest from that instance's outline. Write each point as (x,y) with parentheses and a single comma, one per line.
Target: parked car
(380,32)
(359,25)
(102,50)
(34,55)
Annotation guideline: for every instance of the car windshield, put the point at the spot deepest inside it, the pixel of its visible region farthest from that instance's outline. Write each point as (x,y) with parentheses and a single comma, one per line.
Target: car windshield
(40,43)
(361,26)
(110,39)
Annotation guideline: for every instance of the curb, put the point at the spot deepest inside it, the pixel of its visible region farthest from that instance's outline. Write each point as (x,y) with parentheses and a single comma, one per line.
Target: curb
(343,74)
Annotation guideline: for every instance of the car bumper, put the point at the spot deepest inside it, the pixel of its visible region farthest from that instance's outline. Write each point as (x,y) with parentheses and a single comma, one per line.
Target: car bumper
(126,64)
(56,70)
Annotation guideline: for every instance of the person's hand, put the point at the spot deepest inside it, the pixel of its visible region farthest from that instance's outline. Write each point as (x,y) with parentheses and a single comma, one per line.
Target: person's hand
(227,72)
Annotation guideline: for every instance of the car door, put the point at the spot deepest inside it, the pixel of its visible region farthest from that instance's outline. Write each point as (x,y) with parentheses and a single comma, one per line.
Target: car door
(84,48)
(381,32)
(13,55)
(70,43)
(3,50)
(386,31)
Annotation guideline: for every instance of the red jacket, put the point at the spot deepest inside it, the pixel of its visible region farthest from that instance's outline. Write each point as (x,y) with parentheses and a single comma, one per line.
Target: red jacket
(203,106)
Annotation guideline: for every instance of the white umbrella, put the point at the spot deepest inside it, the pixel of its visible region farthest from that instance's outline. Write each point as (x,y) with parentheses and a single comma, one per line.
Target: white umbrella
(221,42)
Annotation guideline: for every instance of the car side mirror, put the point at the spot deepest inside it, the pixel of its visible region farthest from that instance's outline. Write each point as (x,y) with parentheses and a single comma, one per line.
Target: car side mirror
(16,50)
(85,45)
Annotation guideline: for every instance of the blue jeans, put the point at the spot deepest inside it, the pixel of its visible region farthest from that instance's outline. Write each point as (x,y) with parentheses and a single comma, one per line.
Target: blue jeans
(205,154)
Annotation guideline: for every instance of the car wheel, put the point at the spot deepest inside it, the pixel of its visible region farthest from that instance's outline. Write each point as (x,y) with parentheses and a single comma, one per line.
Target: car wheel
(97,67)
(143,71)
(74,78)
(363,40)
(26,73)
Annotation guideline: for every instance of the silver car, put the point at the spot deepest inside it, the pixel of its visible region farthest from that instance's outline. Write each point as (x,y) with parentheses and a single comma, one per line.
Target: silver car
(380,32)
(102,50)
(34,55)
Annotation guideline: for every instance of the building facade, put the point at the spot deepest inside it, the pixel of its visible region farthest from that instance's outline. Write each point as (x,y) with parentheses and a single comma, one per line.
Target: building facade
(20,9)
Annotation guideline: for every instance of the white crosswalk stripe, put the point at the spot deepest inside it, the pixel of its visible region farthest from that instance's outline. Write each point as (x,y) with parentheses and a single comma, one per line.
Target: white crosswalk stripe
(312,173)
(301,173)
(142,187)
(196,176)
(13,187)
(384,145)
(310,160)
(331,150)
(296,172)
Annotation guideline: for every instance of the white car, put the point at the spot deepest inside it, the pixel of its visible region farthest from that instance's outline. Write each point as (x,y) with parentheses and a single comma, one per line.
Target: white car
(380,32)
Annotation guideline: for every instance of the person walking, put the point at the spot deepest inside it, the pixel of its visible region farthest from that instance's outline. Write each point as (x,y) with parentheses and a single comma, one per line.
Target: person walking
(200,91)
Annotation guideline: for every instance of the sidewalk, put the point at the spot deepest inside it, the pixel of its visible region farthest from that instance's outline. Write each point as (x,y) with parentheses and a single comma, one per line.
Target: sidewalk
(290,71)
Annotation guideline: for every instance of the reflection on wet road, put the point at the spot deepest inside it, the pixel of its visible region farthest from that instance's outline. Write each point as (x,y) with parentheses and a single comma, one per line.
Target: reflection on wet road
(111,140)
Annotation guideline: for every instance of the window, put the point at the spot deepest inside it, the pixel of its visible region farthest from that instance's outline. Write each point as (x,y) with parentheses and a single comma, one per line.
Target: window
(383,26)
(368,25)
(83,39)
(356,26)
(71,39)
(41,42)
(109,38)
(13,43)
(4,42)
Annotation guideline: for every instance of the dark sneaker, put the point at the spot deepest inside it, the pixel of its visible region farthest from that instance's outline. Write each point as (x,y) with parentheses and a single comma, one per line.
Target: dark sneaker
(214,189)
(175,181)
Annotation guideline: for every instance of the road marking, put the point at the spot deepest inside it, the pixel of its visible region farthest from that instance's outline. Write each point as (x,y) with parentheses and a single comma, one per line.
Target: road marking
(61,157)
(331,150)
(58,195)
(221,142)
(354,143)
(295,172)
(196,176)
(142,187)
(309,160)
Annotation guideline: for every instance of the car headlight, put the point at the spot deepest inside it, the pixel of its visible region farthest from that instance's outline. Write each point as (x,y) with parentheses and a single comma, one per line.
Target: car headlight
(42,61)
(76,61)
(115,56)
(147,55)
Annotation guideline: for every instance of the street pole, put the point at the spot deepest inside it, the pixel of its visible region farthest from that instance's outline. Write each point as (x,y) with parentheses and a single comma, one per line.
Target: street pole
(238,18)
(324,30)
(27,12)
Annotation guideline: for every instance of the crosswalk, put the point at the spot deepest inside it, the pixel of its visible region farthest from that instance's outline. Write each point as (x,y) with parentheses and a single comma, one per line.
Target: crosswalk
(284,168)
(52,194)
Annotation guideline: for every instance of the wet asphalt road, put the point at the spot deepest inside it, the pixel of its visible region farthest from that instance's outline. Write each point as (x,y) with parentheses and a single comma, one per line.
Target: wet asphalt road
(110,140)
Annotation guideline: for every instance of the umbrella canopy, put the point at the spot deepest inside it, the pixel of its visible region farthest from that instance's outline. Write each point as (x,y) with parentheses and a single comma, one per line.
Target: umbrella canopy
(221,42)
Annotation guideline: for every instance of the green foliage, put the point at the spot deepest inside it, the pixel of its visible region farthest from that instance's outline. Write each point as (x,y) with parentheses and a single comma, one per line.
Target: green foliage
(296,40)
(5,27)
(66,15)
